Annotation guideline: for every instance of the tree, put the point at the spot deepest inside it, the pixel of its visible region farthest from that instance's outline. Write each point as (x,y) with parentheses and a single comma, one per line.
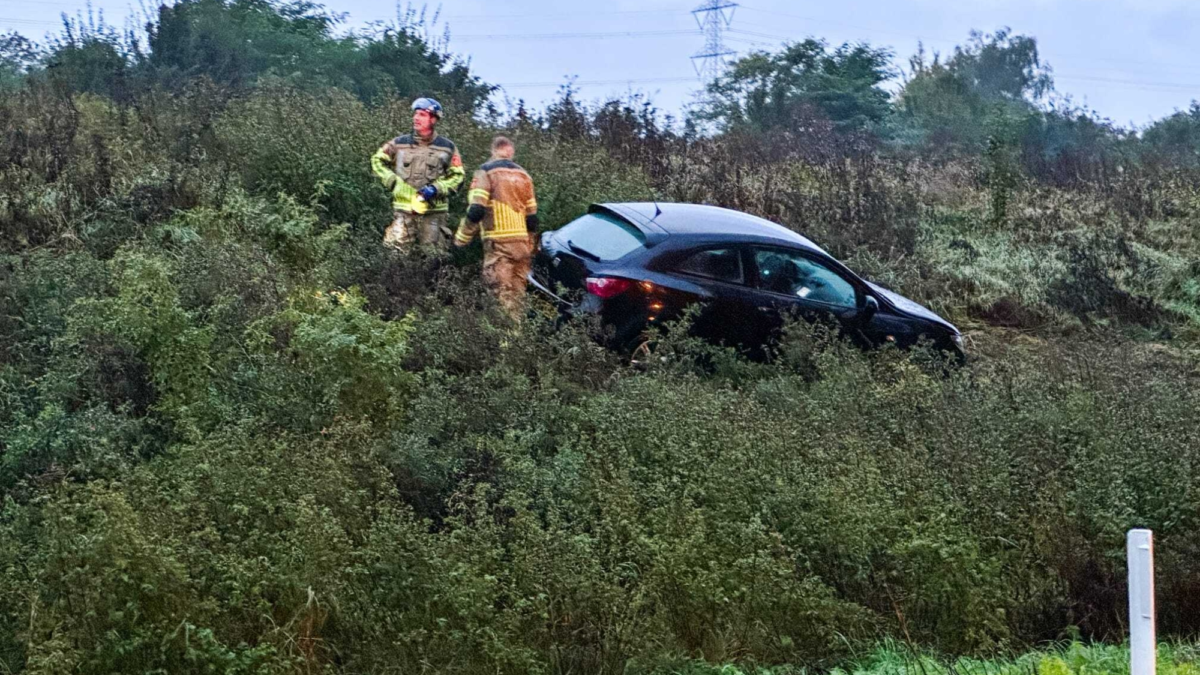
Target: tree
(17,56)
(235,42)
(1176,139)
(768,91)
(411,63)
(91,56)
(948,103)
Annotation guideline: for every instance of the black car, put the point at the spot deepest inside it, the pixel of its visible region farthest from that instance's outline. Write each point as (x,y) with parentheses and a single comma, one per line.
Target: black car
(639,264)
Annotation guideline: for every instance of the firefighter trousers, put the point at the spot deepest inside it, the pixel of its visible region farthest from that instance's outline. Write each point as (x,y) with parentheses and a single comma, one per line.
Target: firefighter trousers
(506,265)
(427,229)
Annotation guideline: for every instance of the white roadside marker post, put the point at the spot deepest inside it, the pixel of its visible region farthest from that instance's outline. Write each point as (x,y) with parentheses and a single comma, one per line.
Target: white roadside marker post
(1139,545)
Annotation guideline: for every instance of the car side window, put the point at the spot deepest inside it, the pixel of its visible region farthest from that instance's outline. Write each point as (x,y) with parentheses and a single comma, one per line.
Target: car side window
(795,275)
(722,264)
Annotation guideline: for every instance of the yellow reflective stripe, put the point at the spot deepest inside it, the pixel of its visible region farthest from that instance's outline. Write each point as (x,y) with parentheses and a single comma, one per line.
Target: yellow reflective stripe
(450,180)
(407,207)
(506,235)
(403,196)
(531,206)
(403,191)
(506,221)
(381,166)
(480,194)
(462,237)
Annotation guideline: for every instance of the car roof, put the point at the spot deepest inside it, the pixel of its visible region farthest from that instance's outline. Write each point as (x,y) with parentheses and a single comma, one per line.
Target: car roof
(702,222)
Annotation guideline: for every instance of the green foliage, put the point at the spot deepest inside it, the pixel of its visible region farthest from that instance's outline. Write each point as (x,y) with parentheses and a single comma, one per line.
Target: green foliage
(144,317)
(17,57)
(312,147)
(1003,170)
(91,57)
(238,42)
(235,43)
(401,59)
(1176,139)
(943,102)
(325,358)
(119,587)
(780,91)
(779,520)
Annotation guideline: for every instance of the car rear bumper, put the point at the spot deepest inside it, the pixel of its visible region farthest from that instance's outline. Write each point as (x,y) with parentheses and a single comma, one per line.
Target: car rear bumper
(563,305)
(624,324)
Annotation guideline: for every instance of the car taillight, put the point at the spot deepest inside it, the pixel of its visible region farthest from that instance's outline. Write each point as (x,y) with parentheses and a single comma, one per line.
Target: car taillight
(607,287)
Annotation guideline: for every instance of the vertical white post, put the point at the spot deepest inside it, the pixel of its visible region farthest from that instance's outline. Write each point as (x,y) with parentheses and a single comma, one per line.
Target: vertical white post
(1142,641)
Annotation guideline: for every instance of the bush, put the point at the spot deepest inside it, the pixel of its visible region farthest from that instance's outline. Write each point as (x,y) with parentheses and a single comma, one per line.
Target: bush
(312,146)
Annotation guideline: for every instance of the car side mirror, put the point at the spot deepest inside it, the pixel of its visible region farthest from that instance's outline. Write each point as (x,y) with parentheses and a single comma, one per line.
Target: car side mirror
(869,309)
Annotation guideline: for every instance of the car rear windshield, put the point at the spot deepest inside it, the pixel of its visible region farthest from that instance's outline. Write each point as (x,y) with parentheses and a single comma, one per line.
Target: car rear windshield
(602,236)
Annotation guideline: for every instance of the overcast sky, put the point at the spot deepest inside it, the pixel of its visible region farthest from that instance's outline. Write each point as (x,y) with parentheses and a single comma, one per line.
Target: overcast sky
(1131,60)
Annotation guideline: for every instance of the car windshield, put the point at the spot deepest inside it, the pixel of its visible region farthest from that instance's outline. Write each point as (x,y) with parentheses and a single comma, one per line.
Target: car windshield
(602,236)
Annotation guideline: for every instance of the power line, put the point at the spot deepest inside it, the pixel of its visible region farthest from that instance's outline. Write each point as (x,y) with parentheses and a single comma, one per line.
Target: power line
(1186,68)
(559,15)
(573,36)
(752,43)
(648,80)
(35,22)
(737,31)
(773,36)
(813,19)
(1187,86)
(28,3)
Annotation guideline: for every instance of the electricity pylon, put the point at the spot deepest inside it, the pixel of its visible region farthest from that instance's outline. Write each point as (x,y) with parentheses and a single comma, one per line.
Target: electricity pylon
(713,16)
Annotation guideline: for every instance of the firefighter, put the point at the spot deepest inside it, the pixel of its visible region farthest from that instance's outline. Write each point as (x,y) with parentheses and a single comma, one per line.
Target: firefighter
(503,210)
(422,169)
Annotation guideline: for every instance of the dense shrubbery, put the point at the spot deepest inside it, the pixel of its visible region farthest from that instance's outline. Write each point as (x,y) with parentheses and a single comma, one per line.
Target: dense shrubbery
(236,435)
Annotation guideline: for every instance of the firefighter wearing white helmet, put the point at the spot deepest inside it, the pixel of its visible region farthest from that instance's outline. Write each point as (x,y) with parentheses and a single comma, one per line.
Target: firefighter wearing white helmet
(422,169)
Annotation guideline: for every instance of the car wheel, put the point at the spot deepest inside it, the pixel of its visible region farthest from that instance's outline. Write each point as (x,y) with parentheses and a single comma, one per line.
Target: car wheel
(642,354)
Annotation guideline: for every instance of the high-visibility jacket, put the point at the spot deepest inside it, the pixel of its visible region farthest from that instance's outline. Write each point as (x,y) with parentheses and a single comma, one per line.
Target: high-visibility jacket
(408,163)
(502,203)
